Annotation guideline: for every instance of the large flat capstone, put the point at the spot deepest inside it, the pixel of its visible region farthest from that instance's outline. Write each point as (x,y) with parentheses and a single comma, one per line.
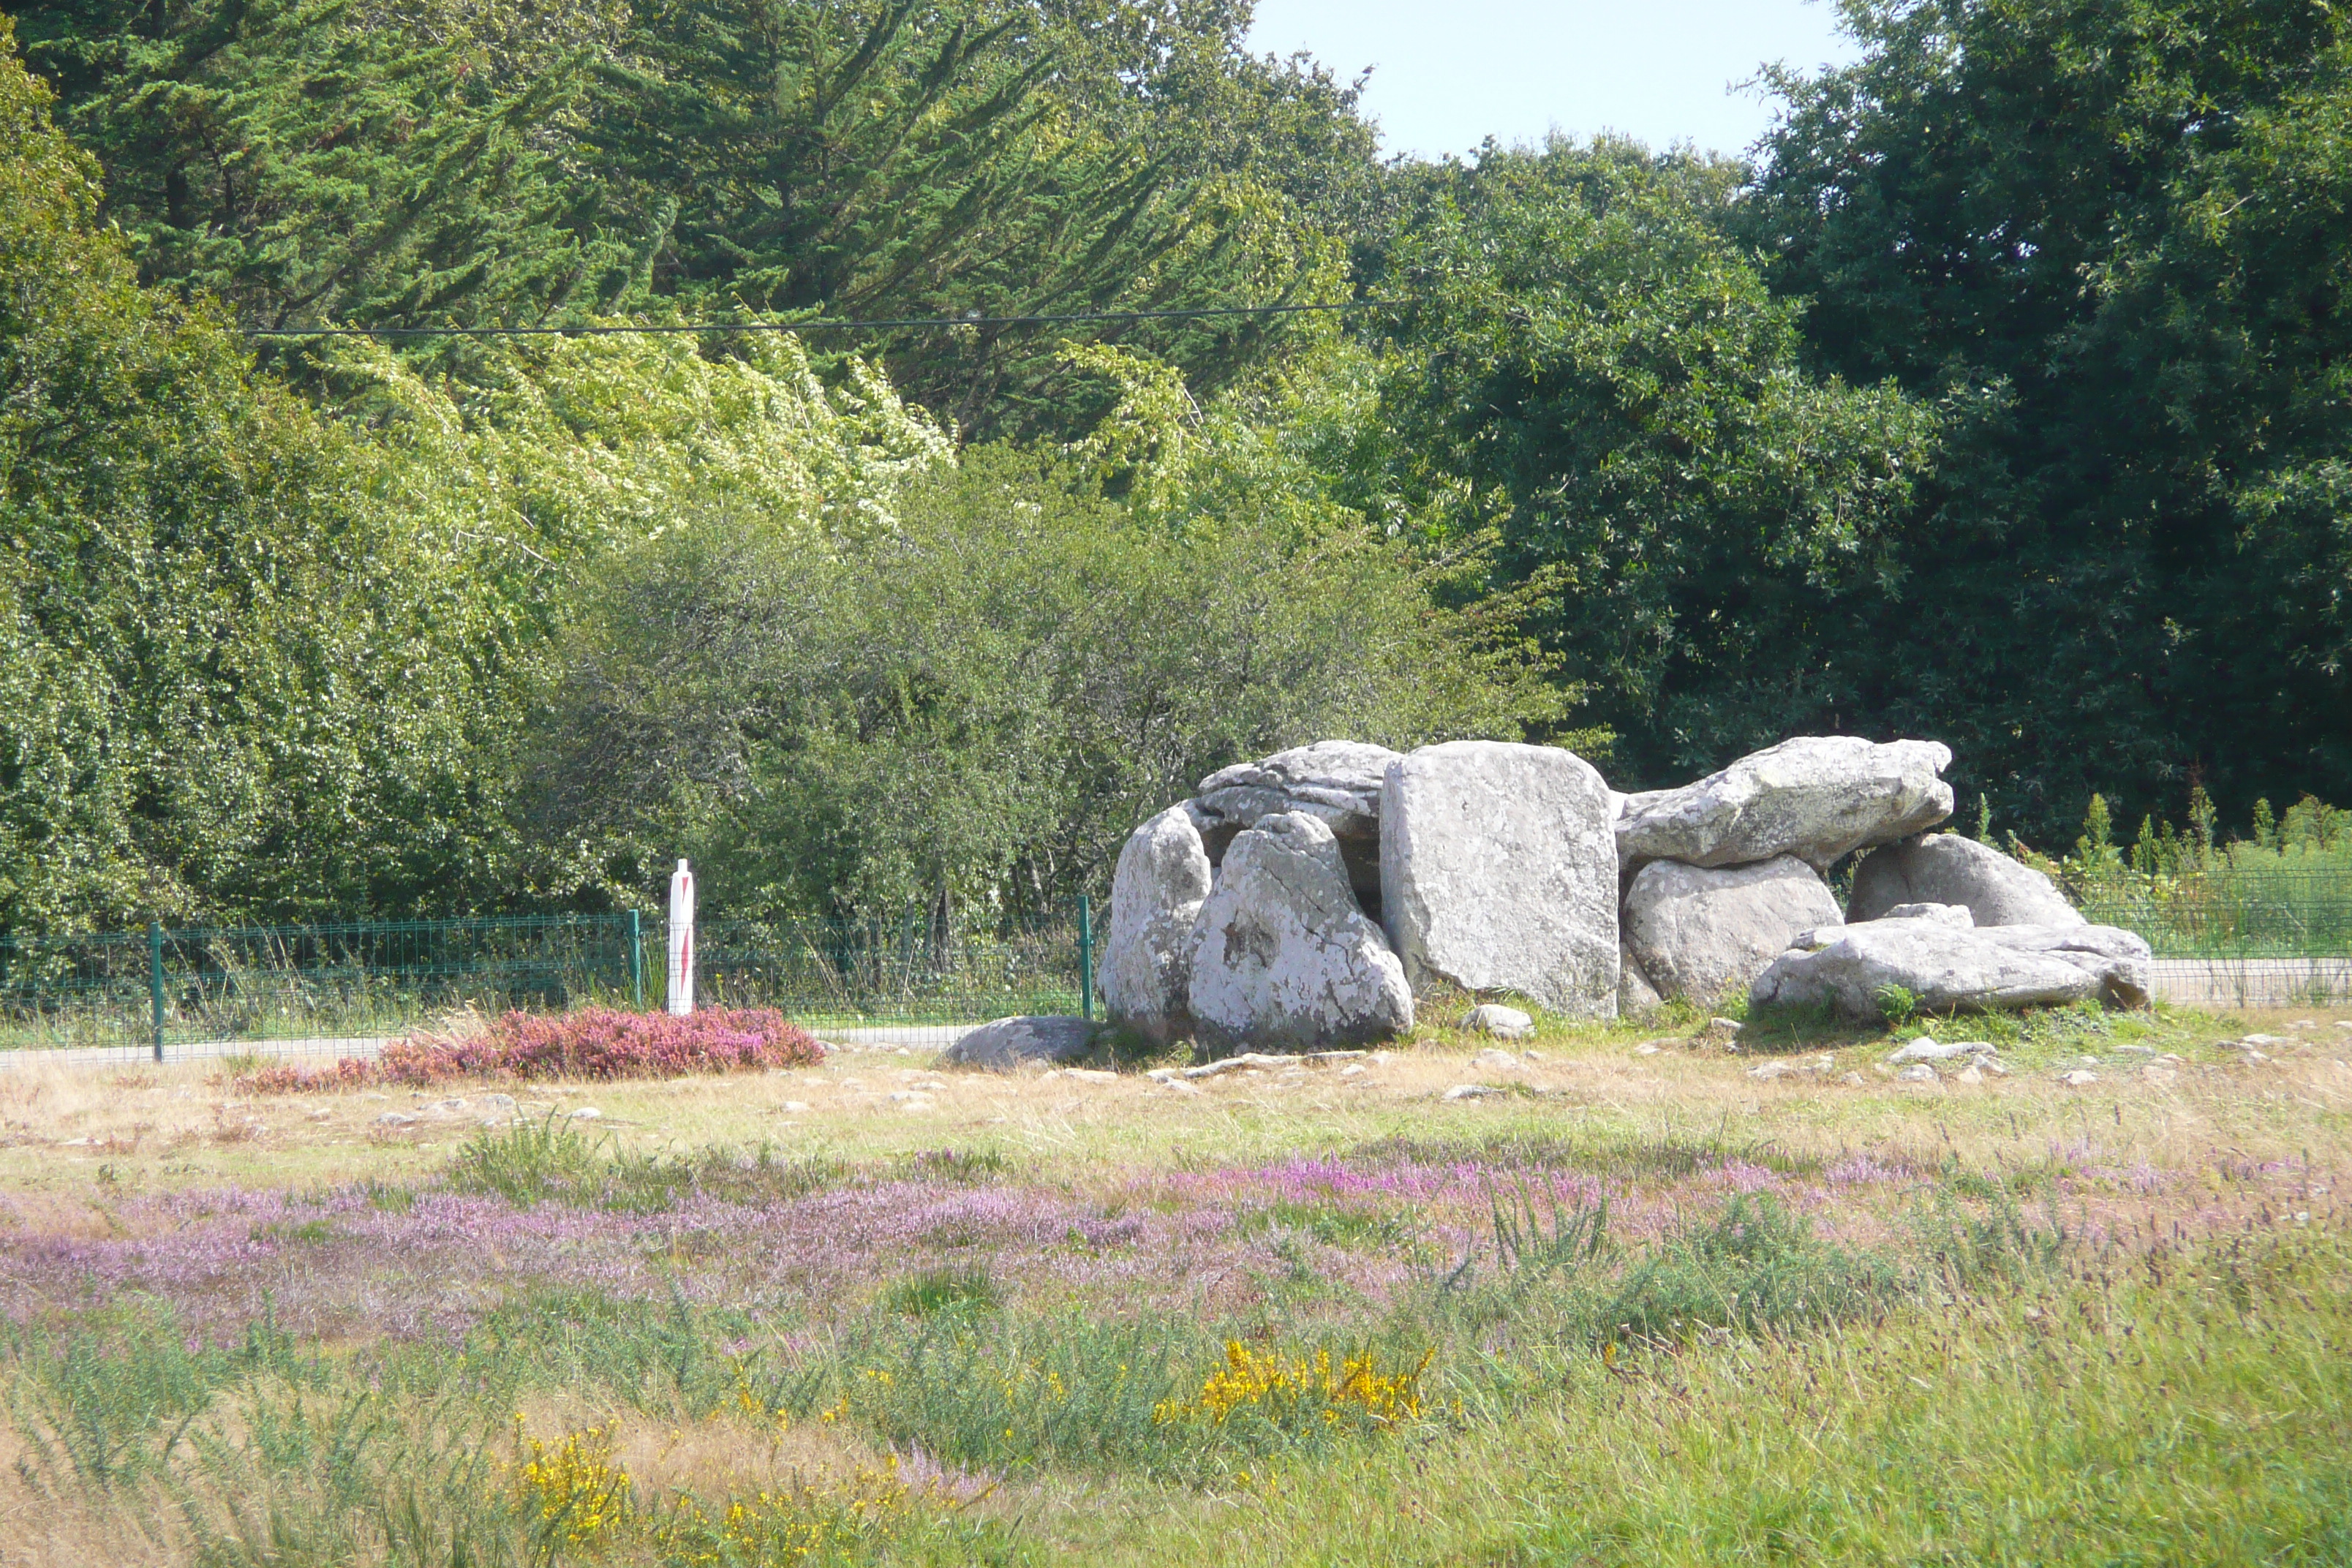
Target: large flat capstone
(1945,868)
(1144,975)
(1498,872)
(1283,959)
(1700,932)
(1816,797)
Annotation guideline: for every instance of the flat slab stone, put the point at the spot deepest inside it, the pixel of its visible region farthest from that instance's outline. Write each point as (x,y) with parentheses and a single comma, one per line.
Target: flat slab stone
(1281,957)
(2122,959)
(1144,975)
(1942,914)
(1943,967)
(1007,1043)
(1817,797)
(1336,781)
(1945,868)
(1700,932)
(1498,872)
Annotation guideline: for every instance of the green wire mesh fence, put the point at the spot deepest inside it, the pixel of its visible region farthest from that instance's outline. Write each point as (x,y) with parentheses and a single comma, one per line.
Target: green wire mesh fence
(334,987)
(160,988)
(2231,913)
(918,977)
(834,975)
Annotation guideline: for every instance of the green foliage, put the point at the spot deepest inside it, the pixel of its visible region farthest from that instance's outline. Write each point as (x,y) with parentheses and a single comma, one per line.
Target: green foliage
(2123,224)
(333,160)
(1593,364)
(1590,1349)
(552,1160)
(527,1162)
(970,710)
(1754,1267)
(2001,405)
(410,161)
(229,675)
(268,659)
(97,1399)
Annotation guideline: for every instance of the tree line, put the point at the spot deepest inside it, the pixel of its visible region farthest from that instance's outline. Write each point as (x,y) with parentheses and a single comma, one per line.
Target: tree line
(1998,395)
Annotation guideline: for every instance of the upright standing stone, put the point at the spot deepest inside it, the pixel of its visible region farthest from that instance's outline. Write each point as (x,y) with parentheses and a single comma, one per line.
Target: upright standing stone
(1282,958)
(1336,781)
(1945,868)
(1699,932)
(1498,871)
(1145,970)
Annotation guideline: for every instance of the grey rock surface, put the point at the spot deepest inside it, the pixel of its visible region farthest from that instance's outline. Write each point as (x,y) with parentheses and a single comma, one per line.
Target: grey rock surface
(1944,968)
(1942,914)
(1144,975)
(1281,957)
(1953,915)
(1700,933)
(1498,872)
(1635,994)
(1946,868)
(1503,1023)
(1925,1049)
(1816,797)
(2120,959)
(1007,1043)
(1336,781)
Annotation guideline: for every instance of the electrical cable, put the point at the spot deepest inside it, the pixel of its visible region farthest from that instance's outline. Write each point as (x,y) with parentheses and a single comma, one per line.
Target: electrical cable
(816,325)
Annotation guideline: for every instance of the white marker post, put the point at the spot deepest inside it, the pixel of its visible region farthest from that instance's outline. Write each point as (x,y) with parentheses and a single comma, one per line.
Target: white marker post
(681,940)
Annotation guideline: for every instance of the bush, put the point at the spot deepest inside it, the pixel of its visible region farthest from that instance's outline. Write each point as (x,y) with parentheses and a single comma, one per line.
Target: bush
(593,1042)
(607,1042)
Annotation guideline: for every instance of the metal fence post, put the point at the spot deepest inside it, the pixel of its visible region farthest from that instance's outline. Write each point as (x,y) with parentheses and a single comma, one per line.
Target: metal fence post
(636,960)
(155,980)
(1086,961)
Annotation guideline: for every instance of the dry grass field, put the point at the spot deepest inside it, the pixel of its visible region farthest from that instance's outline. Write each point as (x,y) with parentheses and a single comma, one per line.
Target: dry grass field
(1603,1296)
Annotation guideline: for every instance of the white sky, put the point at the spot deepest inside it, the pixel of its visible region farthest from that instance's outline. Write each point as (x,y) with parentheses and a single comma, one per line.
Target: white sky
(1448,74)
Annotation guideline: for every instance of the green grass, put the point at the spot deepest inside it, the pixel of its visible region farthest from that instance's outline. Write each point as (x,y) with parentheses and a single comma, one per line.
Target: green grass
(2178,1405)
(2140,1417)
(551,1159)
(1975,1375)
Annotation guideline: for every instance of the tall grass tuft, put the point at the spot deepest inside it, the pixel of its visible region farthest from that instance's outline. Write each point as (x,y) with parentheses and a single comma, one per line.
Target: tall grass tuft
(529,1162)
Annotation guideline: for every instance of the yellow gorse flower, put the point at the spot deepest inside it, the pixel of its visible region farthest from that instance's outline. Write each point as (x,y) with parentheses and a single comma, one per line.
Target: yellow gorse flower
(570,1488)
(1286,1389)
(785,1523)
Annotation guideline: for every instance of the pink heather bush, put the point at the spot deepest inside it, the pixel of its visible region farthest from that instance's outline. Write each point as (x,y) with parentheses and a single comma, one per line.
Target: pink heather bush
(594,1042)
(604,1042)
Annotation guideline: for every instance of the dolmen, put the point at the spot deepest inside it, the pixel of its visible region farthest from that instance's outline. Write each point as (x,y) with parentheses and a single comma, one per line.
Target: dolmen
(1299,903)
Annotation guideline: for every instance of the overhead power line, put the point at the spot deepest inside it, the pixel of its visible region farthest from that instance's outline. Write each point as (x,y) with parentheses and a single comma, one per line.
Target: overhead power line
(819,324)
